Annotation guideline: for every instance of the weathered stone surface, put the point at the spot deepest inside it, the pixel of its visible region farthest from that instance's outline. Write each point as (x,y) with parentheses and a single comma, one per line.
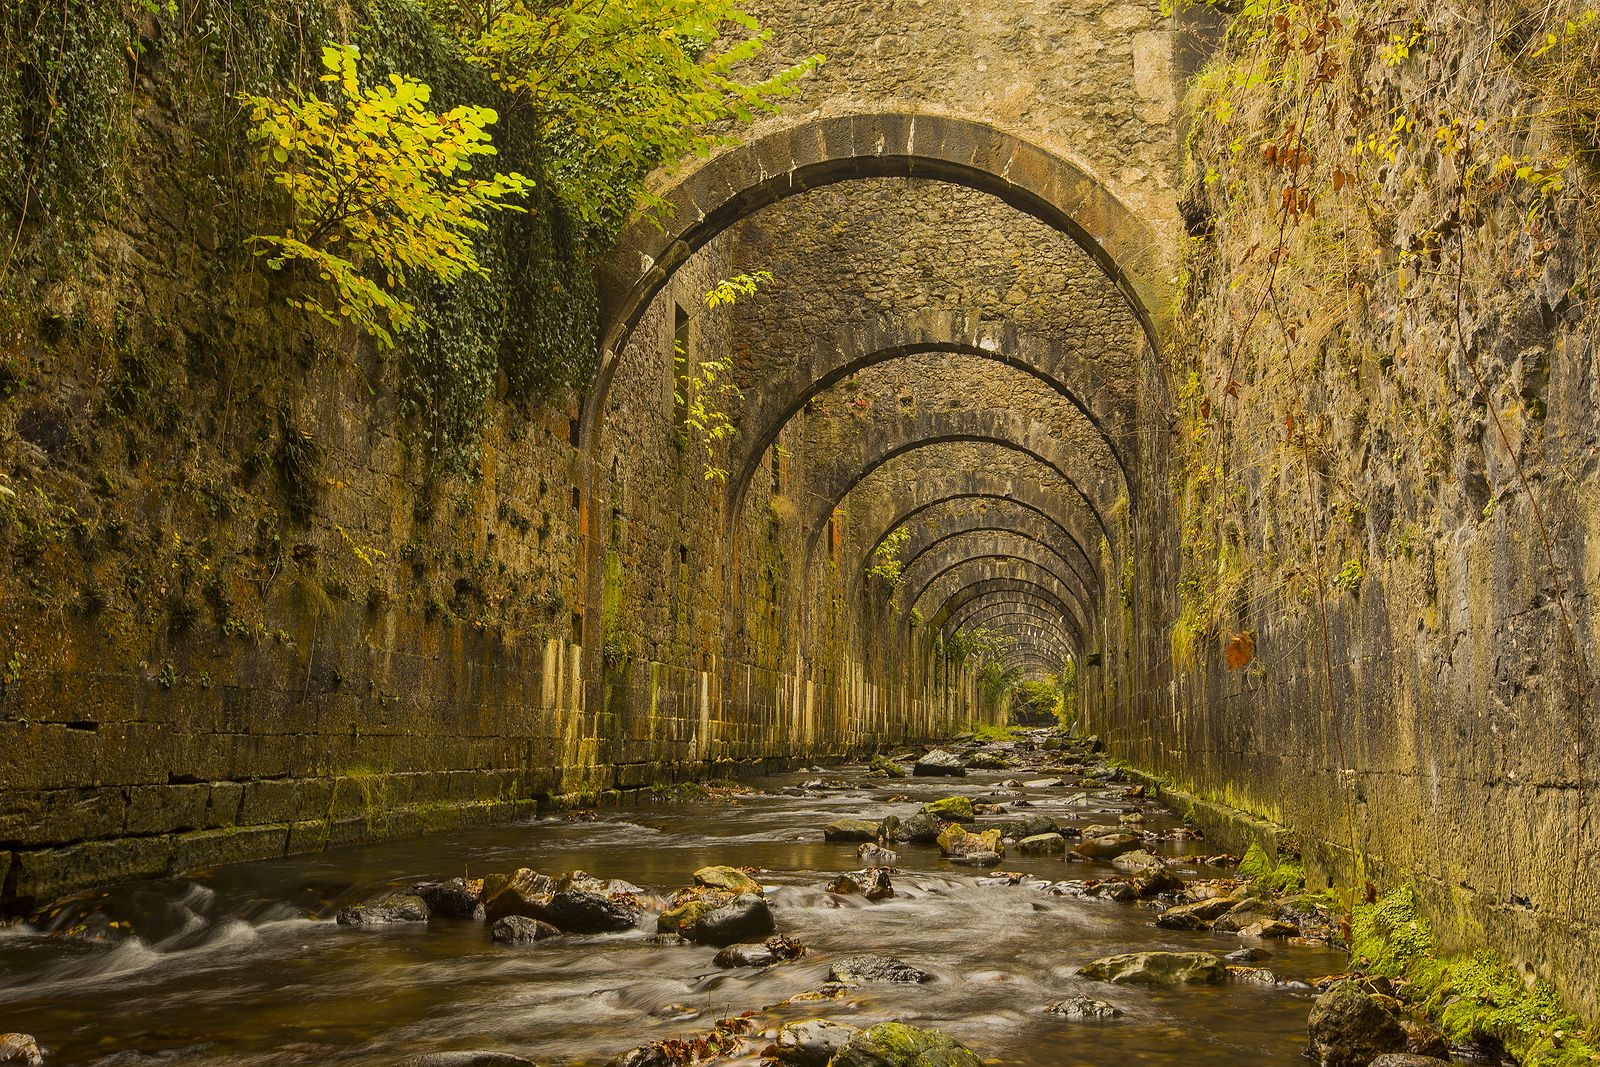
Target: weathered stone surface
(20,1049)
(852,830)
(523,892)
(870,968)
(812,1042)
(939,763)
(457,898)
(900,1045)
(1107,847)
(743,918)
(1042,844)
(579,911)
(399,908)
(1196,916)
(520,930)
(1079,1006)
(955,809)
(1157,968)
(730,879)
(1350,1028)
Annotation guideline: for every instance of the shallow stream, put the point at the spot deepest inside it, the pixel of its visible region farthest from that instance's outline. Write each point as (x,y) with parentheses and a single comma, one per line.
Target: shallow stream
(245,965)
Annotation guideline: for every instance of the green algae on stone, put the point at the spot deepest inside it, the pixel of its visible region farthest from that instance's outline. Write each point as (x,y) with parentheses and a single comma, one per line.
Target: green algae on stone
(900,1045)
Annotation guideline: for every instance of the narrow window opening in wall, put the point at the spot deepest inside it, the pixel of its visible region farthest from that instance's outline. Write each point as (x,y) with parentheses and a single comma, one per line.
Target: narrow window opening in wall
(574,431)
(680,366)
(577,498)
(577,628)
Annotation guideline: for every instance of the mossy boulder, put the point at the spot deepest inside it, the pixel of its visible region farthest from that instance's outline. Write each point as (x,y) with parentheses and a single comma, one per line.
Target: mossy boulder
(955,840)
(1042,844)
(883,765)
(728,879)
(951,809)
(902,1045)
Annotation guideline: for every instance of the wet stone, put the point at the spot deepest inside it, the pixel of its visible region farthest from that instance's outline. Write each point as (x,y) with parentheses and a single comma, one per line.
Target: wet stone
(21,1050)
(520,930)
(1079,1006)
(812,1043)
(872,855)
(744,918)
(464,1059)
(939,763)
(762,954)
(871,968)
(901,1045)
(1157,968)
(457,898)
(851,830)
(578,911)
(400,908)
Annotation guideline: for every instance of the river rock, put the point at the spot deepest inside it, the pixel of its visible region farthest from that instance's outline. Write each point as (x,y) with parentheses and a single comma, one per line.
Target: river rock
(1030,825)
(900,1045)
(1042,844)
(1391,1059)
(812,1043)
(853,970)
(1137,860)
(1197,916)
(399,908)
(759,954)
(885,766)
(730,879)
(851,830)
(464,1059)
(1268,928)
(744,918)
(20,1049)
(523,892)
(576,911)
(981,858)
(1044,783)
(951,809)
(872,855)
(918,829)
(956,841)
(988,761)
(1107,847)
(1349,1027)
(872,883)
(1157,968)
(520,930)
(1245,913)
(1079,1006)
(458,898)
(939,763)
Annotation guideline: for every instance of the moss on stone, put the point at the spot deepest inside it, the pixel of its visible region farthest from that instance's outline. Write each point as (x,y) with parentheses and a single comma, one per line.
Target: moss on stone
(1473,996)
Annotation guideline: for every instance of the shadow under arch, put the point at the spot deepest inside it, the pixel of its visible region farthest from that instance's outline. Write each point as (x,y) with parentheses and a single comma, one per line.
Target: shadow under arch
(706,200)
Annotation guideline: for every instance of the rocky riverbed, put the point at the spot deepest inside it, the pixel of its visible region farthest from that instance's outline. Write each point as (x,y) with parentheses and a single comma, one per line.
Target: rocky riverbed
(1009,900)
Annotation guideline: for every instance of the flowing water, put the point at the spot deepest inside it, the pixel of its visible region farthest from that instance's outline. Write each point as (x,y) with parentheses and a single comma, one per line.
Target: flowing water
(245,966)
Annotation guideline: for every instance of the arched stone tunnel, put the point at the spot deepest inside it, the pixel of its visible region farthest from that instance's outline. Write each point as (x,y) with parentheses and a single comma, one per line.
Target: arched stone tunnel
(953,413)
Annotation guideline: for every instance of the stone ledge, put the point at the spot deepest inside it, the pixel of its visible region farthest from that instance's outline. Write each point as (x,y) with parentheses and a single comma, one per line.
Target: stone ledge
(1228,827)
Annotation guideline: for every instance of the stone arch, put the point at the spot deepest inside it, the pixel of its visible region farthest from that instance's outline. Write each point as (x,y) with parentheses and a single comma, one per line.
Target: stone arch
(859,346)
(991,565)
(980,486)
(1001,429)
(1002,519)
(706,200)
(974,613)
(951,549)
(1004,620)
(993,581)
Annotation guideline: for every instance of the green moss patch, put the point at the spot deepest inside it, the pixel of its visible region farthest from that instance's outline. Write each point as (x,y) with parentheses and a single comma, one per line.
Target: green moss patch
(1474,996)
